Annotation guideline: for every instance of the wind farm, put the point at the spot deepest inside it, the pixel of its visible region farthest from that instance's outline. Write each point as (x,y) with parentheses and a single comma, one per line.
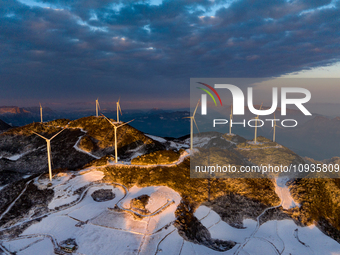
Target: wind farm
(194,162)
(146,181)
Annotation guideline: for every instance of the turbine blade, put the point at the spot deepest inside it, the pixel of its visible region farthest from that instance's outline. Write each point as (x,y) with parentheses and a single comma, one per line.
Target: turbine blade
(186,117)
(196,108)
(196,125)
(39,135)
(260,109)
(120,109)
(125,123)
(57,134)
(109,120)
(118,100)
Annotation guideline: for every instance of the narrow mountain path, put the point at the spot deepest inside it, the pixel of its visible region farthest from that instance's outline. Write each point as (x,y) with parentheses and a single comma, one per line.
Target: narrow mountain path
(16,199)
(76,146)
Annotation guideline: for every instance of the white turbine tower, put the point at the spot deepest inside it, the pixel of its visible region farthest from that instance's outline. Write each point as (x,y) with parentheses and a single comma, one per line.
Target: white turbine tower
(115,128)
(257,117)
(118,110)
(48,141)
(192,119)
(231,117)
(97,107)
(274,127)
(41,118)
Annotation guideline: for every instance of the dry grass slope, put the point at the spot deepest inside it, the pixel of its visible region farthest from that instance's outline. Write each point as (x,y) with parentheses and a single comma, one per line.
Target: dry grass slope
(157,157)
(103,132)
(320,202)
(196,190)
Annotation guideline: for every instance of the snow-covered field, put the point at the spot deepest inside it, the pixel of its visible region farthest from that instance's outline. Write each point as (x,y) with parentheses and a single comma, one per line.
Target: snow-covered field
(115,227)
(97,228)
(273,237)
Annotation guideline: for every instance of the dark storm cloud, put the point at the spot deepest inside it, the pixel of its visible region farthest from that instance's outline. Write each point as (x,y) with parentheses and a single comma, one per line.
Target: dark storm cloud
(81,48)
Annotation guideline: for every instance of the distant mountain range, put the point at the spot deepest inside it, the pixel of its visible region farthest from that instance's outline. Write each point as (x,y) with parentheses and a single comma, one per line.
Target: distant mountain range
(18,110)
(19,116)
(12,110)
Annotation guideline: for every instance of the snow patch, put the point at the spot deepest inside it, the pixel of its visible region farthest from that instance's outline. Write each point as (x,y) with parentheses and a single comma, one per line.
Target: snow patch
(156,138)
(65,186)
(17,156)
(199,141)
(283,192)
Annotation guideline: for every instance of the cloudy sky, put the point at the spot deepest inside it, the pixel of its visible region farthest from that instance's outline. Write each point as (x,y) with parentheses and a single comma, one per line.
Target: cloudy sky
(69,52)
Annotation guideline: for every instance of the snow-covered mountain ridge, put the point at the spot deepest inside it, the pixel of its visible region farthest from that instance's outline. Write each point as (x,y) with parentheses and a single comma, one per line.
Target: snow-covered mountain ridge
(147,203)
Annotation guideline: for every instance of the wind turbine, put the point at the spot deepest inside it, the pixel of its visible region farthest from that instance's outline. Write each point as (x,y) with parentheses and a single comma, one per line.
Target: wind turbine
(41,118)
(116,127)
(231,117)
(257,117)
(192,119)
(48,141)
(97,107)
(274,128)
(118,110)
